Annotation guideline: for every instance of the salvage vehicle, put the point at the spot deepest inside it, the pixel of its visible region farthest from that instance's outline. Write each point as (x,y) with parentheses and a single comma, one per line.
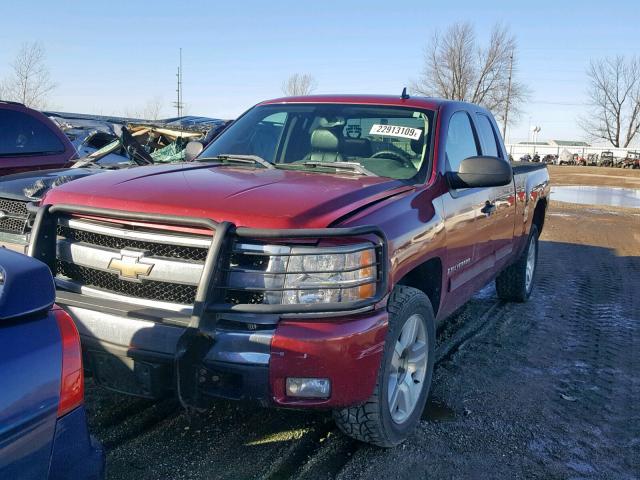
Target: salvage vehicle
(632,160)
(566,158)
(136,145)
(303,260)
(607,159)
(43,425)
(30,141)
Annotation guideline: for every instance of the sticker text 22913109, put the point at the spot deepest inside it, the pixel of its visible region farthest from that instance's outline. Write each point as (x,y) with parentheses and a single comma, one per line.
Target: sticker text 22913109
(396,131)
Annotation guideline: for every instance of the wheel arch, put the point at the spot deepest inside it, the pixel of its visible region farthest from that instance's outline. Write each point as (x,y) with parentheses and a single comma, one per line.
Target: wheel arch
(426,277)
(539,214)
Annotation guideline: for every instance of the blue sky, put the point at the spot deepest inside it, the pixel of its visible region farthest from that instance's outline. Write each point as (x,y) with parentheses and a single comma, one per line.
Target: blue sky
(112,57)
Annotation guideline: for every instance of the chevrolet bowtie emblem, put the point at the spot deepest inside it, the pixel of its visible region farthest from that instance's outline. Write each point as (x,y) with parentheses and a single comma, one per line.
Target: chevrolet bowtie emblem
(129,266)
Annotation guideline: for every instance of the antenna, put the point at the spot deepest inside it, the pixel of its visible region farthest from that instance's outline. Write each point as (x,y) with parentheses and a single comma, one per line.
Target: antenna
(178,103)
(404,95)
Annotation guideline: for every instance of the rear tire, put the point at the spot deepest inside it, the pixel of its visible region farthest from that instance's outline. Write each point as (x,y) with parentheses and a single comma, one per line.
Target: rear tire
(404,378)
(515,283)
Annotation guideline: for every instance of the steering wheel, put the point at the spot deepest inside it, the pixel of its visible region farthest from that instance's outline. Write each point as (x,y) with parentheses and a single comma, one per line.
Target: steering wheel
(395,156)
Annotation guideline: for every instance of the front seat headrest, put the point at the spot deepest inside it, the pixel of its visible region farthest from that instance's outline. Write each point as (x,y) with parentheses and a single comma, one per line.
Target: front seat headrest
(323,139)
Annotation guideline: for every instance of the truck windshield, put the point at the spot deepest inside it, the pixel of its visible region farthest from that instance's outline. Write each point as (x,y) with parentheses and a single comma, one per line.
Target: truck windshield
(359,139)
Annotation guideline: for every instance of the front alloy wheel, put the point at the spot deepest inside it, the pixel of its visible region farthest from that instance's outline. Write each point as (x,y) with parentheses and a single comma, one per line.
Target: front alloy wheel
(408,369)
(395,407)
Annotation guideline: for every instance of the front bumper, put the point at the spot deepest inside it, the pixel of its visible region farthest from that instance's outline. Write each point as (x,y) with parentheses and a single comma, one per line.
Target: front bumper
(220,348)
(246,361)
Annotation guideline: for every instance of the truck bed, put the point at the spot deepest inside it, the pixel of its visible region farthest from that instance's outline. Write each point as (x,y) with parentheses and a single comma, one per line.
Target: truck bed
(526,167)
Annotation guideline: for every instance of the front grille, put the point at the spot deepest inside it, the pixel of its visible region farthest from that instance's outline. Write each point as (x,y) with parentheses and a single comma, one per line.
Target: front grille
(14,216)
(166,292)
(153,249)
(95,244)
(14,206)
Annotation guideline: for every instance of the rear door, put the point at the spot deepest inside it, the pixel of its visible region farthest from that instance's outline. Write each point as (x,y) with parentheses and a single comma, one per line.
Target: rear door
(502,199)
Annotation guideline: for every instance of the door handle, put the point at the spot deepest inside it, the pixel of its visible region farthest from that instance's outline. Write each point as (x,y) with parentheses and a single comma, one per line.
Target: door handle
(488,208)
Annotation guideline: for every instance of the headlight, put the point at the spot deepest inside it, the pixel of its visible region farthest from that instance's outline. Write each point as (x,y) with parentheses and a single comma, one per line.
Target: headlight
(330,277)
(275,274)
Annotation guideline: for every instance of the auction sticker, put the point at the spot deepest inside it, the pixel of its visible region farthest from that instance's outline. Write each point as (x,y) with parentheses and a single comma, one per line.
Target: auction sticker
(396,131)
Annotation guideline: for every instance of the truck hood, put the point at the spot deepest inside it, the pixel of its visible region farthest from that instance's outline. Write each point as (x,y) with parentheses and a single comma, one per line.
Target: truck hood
(249,197)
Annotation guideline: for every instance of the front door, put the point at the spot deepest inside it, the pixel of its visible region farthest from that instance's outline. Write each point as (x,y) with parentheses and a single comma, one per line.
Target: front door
(470,260)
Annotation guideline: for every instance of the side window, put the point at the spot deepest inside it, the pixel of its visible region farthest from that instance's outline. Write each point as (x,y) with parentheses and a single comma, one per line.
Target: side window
(487,136)
(22,134)
(461,142)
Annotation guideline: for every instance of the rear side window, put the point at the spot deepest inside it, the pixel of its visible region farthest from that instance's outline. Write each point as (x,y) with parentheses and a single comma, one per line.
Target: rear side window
(461,142)
(487,136)
(22,134)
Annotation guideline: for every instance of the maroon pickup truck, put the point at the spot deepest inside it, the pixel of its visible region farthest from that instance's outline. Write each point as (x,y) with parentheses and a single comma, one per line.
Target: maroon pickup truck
(303,260)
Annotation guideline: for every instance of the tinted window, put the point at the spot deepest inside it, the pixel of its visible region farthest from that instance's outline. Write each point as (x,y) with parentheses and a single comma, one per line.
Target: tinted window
(487,136)
(461,142)
(22,134)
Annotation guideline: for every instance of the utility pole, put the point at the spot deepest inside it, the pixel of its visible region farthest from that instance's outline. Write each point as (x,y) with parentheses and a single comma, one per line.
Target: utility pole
(506,109)
(178,104)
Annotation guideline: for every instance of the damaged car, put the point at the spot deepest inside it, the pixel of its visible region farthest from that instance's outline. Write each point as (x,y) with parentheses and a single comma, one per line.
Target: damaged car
(135,145)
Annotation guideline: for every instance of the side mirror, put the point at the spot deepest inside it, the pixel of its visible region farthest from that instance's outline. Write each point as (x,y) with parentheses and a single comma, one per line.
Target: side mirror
(192,150)
(481,172)
(26,285)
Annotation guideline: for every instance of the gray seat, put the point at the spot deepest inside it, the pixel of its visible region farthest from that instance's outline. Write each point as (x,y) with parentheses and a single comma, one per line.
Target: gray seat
(325,146)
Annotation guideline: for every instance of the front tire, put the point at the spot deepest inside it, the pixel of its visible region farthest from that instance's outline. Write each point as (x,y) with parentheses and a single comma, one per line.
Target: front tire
(404,378)
(515,283)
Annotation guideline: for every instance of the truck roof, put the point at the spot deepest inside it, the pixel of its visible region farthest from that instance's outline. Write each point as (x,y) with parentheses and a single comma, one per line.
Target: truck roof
(391,100)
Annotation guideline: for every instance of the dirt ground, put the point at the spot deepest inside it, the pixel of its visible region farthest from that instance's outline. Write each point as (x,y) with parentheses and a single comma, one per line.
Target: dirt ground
(597,176)
(546,389)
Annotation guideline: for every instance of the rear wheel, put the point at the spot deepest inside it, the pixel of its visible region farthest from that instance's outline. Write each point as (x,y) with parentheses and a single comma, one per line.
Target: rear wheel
(395,407)
(515,283)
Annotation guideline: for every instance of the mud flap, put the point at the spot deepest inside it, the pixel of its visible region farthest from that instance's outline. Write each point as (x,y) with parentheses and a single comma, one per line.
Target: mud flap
(193,345)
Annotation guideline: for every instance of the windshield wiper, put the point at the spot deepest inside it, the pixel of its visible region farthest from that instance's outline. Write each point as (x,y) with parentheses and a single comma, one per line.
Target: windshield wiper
(254,159)
(351,166)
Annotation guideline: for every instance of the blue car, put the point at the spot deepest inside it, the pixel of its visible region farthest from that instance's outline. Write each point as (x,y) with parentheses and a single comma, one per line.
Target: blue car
(43,425)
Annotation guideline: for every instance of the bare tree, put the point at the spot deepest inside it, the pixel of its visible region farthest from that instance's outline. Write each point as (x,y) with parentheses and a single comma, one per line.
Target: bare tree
(30,81)
(457,67)
(614,92)
(299,84)
(153,108)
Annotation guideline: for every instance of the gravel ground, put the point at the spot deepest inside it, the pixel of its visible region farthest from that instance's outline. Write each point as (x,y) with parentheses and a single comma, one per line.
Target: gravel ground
(546,389)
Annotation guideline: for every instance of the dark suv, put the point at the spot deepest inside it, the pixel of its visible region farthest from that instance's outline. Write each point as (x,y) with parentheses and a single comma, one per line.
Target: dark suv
(29,140)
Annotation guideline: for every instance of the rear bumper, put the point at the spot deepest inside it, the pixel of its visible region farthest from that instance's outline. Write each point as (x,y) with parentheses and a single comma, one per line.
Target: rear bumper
(247,360)
(75,454)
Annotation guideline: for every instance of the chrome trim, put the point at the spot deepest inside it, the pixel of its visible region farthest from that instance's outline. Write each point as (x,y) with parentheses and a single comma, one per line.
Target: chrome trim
(344,249)
(266,249)
(180,240)
(131,333)
(76,287)
(97,258)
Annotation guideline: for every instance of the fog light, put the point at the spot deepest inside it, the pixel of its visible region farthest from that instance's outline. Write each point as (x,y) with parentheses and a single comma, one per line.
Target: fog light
(308,387)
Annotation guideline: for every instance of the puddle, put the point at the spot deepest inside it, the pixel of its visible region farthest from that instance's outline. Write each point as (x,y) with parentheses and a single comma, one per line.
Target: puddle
(438,412)
(587,195)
